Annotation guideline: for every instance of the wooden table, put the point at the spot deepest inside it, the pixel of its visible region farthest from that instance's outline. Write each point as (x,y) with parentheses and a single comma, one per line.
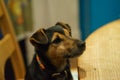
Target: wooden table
(101,60)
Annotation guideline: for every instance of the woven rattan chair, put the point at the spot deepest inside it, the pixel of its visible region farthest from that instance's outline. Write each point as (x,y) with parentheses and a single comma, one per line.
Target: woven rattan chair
(101,60)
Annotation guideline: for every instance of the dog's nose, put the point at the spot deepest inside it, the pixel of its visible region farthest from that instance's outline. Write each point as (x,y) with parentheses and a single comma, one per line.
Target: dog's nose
(81,44)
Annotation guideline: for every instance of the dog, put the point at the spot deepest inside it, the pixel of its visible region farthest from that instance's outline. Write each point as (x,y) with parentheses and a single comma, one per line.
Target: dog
(53,46)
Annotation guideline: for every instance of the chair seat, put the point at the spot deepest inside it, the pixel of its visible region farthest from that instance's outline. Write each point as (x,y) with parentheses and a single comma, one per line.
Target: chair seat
(101,60)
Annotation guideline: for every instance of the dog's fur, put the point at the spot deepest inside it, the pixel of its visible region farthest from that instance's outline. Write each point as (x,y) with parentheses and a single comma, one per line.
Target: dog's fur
(54,46)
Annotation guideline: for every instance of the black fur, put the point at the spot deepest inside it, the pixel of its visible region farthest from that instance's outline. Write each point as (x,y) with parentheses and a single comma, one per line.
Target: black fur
(41,40)
(36,73)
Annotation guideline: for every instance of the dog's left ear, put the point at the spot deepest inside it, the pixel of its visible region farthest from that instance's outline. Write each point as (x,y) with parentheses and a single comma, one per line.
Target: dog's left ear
(39,37)
(65,26)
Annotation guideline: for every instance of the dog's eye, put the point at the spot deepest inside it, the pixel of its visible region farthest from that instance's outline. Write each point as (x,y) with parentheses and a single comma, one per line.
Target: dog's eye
(57,40)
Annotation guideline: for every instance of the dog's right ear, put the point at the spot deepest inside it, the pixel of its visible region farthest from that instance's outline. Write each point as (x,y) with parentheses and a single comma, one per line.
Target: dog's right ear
(65,26)
(39,37)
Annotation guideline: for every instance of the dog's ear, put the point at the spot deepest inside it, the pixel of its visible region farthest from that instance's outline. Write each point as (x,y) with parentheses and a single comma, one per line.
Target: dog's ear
(39,37)
(66,27)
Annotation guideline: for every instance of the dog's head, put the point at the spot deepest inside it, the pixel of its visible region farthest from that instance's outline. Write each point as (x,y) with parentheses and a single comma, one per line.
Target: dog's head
(57,44)
(57,39)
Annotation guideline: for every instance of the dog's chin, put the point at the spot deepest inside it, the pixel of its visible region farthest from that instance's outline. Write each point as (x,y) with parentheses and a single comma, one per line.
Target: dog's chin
(74,54)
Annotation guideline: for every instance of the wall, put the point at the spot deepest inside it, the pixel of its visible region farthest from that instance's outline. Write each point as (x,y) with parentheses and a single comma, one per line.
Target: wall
(95,13)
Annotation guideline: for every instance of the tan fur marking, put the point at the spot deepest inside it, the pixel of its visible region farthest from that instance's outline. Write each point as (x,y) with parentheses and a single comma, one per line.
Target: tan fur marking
(66,32)
(57,34)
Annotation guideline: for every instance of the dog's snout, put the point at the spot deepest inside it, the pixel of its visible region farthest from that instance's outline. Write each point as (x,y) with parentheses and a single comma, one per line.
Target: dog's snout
(81,44)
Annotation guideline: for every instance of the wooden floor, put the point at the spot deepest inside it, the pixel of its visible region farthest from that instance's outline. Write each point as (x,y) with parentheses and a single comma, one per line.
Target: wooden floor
(101,60)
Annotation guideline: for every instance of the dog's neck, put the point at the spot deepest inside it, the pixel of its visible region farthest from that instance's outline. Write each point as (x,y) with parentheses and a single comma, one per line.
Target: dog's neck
(42,60)
(49,68)
(47,62)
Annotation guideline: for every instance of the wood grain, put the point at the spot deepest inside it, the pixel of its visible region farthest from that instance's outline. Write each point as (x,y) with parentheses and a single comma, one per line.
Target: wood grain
(101,60)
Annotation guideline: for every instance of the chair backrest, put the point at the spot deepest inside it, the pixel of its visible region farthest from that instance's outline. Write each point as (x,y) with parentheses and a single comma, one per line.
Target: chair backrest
(101,60)
(9,47)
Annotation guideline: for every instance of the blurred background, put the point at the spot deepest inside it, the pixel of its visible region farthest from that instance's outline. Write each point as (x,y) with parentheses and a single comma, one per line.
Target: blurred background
(27,16)
(84,17)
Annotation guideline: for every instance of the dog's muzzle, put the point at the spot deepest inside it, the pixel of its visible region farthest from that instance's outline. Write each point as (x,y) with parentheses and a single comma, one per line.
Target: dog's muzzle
(76,51)
(81,45)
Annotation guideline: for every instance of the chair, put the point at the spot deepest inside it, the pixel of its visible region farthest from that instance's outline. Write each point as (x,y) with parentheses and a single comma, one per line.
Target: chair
(9,47)
(101,60)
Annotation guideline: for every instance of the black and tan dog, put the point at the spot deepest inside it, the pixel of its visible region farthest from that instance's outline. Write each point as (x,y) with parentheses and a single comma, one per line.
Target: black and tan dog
(54,46)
